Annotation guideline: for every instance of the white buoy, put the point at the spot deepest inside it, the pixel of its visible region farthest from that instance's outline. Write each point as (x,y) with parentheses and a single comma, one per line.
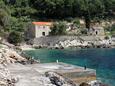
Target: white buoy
(57,61)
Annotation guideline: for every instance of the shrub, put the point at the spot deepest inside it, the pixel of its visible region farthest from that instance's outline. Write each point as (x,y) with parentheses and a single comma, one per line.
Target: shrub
(58,29)
(76,23)
(84,31)
(106,37)
(15,38)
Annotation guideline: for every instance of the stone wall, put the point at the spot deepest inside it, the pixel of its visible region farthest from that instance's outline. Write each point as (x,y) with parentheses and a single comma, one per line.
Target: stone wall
(52,40)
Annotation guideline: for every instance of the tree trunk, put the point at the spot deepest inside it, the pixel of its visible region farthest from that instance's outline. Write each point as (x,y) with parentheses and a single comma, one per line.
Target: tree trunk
(87,22)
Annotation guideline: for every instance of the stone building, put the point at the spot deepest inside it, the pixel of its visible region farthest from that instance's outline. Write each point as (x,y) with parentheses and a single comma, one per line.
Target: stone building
(99,31)
(39,29)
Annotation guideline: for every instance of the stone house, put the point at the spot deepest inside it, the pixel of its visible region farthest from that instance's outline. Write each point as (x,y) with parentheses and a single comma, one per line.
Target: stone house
(39,29)
(99,31)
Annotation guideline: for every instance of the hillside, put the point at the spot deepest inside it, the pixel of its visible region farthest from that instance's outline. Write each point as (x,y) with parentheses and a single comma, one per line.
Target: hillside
(16,15)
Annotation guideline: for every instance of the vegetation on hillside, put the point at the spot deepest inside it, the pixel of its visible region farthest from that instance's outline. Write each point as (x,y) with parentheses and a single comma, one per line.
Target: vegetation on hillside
(15,38)
(58,28)
(111,29)
(16,14)
(88,9)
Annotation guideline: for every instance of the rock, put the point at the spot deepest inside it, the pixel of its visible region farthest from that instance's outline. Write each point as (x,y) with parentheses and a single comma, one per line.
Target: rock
(55,80)
(10,56)
(96,83)
(58,80)
(71,43)
(84,84)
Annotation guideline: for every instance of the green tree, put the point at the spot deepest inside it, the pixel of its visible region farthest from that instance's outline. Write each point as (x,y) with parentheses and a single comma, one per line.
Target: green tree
(58,29)
(15,38)
(54,8)
(109,8)
(4,15)
(89,9)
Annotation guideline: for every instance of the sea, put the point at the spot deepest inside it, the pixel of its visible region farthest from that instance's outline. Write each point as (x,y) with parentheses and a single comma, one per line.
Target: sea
(103,60)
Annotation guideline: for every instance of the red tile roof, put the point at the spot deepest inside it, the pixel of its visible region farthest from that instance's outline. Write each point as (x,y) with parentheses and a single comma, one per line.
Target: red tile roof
(42,23)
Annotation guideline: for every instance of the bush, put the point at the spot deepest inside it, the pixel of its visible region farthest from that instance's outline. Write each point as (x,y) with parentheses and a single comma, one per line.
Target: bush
(113,27)
(84,31)
(58,29)
(106,38)
(15,38)
(76,23)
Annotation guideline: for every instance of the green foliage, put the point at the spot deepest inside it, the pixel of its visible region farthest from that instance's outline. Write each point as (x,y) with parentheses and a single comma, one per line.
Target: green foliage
(109,8)
(15,14)
(111,29)
(89,9)
(76,23)
(15,38)
(58,29)
(4,16)
(83,31)
(107,37)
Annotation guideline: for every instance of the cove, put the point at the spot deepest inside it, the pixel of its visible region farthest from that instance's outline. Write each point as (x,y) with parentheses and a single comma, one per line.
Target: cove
(103,60)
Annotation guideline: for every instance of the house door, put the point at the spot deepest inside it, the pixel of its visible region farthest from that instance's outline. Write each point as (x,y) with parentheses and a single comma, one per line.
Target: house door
(96,32)
(43,33)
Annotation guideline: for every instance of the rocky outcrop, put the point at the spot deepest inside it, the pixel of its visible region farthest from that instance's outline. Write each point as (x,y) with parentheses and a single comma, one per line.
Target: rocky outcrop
(71,43)
(58,80)
(10,56)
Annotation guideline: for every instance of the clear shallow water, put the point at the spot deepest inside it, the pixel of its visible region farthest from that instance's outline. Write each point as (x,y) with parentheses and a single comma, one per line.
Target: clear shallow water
(103,60)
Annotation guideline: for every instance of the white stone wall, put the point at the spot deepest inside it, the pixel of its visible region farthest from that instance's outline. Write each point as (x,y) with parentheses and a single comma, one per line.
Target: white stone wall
(40,29)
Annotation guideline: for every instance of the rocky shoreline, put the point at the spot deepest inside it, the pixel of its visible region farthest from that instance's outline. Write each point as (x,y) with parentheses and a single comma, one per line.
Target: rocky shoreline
(62,42)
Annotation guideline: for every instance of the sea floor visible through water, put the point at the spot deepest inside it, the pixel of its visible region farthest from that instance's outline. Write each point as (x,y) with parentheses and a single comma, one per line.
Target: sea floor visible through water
(103,60)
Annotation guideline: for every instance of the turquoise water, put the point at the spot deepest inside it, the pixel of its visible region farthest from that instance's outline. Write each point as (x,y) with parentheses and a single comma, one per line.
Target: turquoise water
(103,60)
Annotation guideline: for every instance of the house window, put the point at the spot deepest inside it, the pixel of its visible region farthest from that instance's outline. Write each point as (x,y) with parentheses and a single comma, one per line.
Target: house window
(43,33)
